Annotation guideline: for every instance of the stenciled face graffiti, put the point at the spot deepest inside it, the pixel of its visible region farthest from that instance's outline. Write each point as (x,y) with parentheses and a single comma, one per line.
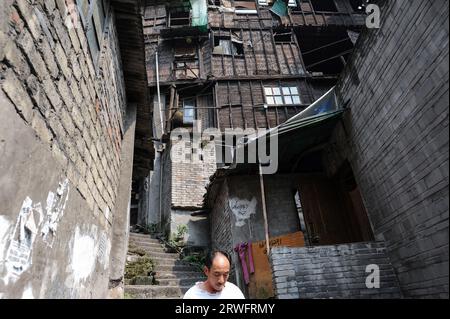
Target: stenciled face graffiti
(242,209)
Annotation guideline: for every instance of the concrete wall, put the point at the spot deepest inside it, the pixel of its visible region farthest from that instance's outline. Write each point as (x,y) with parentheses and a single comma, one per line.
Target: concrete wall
(397,83)
(197,227)
(281,211)
(60,140)
(332,272)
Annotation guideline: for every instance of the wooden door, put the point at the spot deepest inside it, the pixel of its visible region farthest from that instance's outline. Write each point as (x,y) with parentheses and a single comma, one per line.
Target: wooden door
(325,216)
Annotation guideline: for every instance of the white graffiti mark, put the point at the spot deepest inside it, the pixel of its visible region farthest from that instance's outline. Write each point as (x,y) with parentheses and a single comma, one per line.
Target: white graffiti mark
(89,248)
(5,226)
(104,248)
(28,293)
(56,204)
(18,255)
(242,209)
(84,254)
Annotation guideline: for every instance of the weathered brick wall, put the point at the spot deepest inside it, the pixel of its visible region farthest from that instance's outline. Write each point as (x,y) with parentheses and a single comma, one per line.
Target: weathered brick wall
(220,228)
(55,91)
(190,177)
(332,272)
(220,222)
(397,84)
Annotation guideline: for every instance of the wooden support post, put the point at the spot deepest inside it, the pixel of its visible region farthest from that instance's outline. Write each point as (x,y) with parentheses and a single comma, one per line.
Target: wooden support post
(245,55)
(216,102)
(275,51)
(253,104)
(263,199)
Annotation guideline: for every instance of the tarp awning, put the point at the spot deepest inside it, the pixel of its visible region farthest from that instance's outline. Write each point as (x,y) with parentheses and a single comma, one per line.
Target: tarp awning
(310,128)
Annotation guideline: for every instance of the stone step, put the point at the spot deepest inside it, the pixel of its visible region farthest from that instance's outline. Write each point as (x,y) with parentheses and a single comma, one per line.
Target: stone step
(162,255)
(137,240)
(145,238)
(179,282)
(177,274)
(168,261)
(153,247)
(169,268)
(155,292)
(140,235)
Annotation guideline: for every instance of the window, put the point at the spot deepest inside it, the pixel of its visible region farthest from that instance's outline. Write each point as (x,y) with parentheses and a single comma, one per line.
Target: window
(284,95)
(180,18)
(186,65)
(291,3)
(188,111)
(285,37)
(93,16)
(326,6)
(245,7)
(228,46)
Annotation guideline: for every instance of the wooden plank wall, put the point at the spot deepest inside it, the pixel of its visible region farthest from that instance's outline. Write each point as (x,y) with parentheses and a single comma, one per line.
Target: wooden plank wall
(303,15)
(240,104)
(262,55)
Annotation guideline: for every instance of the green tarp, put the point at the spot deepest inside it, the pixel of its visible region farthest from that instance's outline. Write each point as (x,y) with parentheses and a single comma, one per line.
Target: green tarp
(280,8)
(199,14)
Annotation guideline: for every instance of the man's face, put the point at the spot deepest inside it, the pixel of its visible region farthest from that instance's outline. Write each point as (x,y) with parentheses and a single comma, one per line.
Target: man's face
(218,273)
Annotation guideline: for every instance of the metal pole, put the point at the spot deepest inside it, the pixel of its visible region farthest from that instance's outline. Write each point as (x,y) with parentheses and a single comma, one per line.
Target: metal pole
(159,93)
(263,196)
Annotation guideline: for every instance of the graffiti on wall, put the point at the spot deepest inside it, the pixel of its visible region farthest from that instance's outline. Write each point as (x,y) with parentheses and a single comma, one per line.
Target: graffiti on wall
(30,222)
(242,209)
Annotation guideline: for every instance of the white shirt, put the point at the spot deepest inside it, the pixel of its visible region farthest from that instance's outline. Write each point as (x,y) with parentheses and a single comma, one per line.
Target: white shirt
(230,291)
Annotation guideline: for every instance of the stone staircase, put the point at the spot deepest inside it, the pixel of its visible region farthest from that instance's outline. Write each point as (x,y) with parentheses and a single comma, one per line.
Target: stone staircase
(173,276)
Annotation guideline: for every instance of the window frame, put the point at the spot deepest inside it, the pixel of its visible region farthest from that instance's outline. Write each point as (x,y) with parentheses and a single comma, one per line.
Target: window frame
(193,108)
(236,47)
(277,95)
(265,3)
(94,24)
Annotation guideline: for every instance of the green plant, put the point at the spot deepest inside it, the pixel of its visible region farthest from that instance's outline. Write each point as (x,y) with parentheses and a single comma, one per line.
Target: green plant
(147,229)
(182,230)
(132,249)
(196,259)
(143,266)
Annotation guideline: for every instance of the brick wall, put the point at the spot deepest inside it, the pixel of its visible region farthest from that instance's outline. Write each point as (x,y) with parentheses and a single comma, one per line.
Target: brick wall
(220,227)
(220,222)
(59,103)
(190,177)
(397,83)
(332,272)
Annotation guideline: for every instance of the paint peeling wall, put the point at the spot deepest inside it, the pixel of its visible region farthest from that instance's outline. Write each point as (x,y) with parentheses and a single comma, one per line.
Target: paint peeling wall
(60,146)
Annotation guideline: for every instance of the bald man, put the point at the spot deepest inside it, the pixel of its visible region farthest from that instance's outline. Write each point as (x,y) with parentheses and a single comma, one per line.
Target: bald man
(217,269)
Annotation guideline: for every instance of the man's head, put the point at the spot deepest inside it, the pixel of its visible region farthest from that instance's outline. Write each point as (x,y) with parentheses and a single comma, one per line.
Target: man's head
(217,269)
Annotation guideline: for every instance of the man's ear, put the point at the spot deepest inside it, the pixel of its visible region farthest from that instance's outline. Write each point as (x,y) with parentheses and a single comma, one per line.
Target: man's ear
(206,270)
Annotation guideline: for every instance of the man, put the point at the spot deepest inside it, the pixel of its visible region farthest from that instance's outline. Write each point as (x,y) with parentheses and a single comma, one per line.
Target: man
(217,270)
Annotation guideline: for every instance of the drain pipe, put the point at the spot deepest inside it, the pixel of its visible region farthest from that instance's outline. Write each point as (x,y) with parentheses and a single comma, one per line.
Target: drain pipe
(159,94)
(162,133)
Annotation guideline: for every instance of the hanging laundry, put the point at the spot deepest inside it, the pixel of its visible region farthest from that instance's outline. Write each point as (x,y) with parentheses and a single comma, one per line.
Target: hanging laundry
(244,251)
